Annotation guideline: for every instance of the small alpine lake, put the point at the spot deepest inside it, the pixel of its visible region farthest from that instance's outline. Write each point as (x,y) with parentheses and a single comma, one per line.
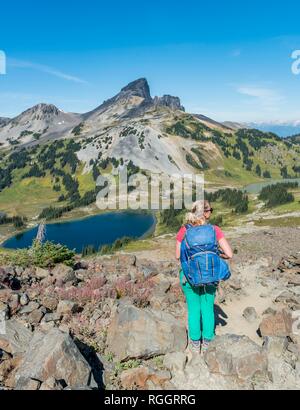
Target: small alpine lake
(257,187)
(97,230)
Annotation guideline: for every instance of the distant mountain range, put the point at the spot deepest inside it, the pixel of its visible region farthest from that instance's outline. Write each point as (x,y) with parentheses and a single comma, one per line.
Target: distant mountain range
(281,128)
(155,134)
(46,121)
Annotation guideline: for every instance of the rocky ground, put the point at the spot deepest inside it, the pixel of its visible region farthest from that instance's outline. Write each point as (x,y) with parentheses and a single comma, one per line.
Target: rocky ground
(119,322)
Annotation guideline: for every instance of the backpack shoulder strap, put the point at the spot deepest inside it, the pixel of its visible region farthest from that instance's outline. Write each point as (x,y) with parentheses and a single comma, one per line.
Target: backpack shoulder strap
(215,236)
(187,227)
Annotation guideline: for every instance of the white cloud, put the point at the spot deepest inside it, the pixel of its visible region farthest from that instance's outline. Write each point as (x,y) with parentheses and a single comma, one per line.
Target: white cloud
(269,99)
(45,69)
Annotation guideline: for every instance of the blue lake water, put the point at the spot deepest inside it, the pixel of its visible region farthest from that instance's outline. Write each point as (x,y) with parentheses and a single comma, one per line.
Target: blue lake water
(257,187)
(96,230)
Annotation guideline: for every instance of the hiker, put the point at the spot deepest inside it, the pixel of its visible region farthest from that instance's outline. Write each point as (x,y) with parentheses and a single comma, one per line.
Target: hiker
(200,299)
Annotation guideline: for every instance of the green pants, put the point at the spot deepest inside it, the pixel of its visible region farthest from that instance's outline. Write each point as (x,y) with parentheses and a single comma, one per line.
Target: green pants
(200,305)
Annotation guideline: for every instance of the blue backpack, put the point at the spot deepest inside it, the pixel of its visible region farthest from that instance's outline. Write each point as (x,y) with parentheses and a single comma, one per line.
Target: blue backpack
(199,256)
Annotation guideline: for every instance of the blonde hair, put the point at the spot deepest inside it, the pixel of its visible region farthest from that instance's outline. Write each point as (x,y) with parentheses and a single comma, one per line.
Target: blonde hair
(196,215)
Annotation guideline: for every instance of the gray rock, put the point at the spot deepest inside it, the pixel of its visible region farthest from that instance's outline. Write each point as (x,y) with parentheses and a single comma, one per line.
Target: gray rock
(269,311)
(250,314)
(294,348)
(233,355)
(81,274)
(16,338)
(46,326)
(67,307)
(54,354)
(51,384)
(4,311)
(197,376)
(24,300)
(282,374)
(28,384)
(29,308)
(288,297)
(162,287)
(52,317)
(49,302)
(126,260)
(14,302)
(144,333)
(41,273)
(148,271)
(279,324)
(63,273)
(275,346)
(36,316)
(235,284)
(175,361)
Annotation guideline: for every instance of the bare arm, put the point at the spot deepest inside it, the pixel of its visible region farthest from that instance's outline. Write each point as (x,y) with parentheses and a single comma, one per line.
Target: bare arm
(178,245)
(226,248)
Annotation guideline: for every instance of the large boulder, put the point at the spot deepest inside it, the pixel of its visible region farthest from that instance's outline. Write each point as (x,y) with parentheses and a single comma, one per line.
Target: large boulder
(196,376)
(144,333)
(63,273)
(275,345)
(283,375)
(279,324)
(15,338)
(53,355)
(233,355)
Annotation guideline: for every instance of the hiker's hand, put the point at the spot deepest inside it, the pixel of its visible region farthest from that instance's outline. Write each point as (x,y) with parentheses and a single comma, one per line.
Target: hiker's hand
(223,256)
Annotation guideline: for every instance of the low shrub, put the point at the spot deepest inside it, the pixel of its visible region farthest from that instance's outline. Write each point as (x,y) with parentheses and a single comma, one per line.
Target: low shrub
(44,255)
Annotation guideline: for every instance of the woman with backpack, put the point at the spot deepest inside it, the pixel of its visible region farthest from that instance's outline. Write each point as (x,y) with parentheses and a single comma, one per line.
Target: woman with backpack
(200,298)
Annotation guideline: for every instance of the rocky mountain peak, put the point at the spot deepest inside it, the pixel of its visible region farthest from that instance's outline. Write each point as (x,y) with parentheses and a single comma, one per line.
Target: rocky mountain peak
(45,109)
(139,88)
(41,110)
(169,101)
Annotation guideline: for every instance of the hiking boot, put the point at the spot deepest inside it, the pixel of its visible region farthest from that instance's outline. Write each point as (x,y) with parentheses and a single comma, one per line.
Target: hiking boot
(204,346)
(194,346)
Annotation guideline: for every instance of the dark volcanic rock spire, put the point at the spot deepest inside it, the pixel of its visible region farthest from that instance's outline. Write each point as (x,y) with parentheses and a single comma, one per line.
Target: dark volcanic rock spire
(139,88)
(169,101)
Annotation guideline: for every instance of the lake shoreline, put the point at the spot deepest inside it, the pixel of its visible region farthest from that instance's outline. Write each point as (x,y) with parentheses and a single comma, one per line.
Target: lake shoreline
(96,240)
(256,187)
(89,212)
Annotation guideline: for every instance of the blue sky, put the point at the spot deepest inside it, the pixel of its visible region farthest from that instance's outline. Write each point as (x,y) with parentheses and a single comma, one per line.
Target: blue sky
(228,60)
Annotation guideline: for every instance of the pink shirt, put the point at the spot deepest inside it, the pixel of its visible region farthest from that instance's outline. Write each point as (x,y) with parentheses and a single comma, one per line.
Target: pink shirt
(182,231)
